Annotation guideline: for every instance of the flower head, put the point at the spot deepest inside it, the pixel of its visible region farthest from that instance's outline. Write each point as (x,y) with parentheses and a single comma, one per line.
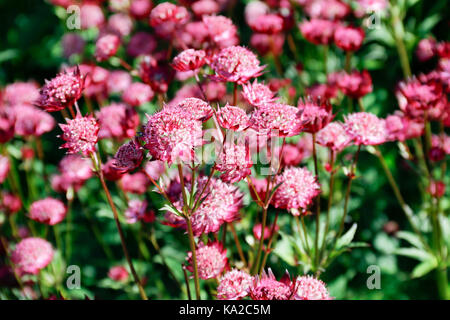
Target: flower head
(334,136)
(75,169)
(20,93)
(235,162)
(31,121)
(276,119)
(138,211)
(4,168)
(234,285)
(257,94)
(426,49)
(422,94)
(315,113)
(236,64)
(80,134)
(118,273)
(232,118)
(7,123)
(106,46)
(348,38)
(211,260)
(117,121)
(401,128)
(365,128)
(309,288)
(267,287)
(48,211)
(355,84)
(189,60)
(268,23)
(167,12)
(62,91)
(137,94)
(135,183)
(194,108)
(221,31)
(318,31)
(31,255)
(129,156)
(10,203)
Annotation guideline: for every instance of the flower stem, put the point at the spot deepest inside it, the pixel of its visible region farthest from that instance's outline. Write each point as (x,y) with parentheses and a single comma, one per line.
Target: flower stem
(194,257)
(330,201)
(269,244)
(238,244)
(316,170)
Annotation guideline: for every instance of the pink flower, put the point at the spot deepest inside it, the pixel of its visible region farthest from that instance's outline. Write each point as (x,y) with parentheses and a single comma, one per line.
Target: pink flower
(236,64)
(91,15)
(62,91)
(211,260)
(254,9)
(327,9)
(195,108)
(48,211)
(401,128)
(80,134)
(234,285)
(106,46)
(334,136)
(111,172)
(299,187)
(140,9)
(370,6)
(189,60)
(268,43)
(118,273)
(7,123)
(441,141)
(117,121)
(234,162)
(309,288)
(172,136)
(267,231)
(426,49)
(168,12)
(318,31)
(422,94)
(31,121)
(276,119)
(20,93)
(356,84)
(120,24)
(232,118)
(156,74)
(118,81)
(75,169)
(436,189)
(155,169)
(138,210)
(31,255)
(267,287)
(315,113)
(141,43)
(322,90)
(137,94)
(221,31)
(129,156)
(257,93)
(267,23)
(260,186)
(365,128)
(292,154)
(136,183)
(348,38)
(10,203)
(205,7)
(4,168)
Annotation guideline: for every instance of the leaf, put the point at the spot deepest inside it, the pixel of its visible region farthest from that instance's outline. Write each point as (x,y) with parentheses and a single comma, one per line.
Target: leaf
(284,250)
(411,238)
(428,24)
(414,253)
(423,268)
(347,237)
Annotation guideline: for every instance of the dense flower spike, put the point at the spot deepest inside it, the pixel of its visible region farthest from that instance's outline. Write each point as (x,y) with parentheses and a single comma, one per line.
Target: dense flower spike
(211,258)
(232,118)
(276,119)
(189,60)
(236,64)
(31,255)
(365,128)
(257,94)
(80,134)
(309,288)
(334,136)
(62,91)
(48,211)
(298,187)
(235,162)
(234,285)
(172,135)
(267,287)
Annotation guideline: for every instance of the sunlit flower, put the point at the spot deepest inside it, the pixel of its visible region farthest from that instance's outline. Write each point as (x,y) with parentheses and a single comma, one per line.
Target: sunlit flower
(167,12)
(234,162)
(276,119)
(80,134)
(232,118)
(234,285)
(211,260)
(194,108)
(309,288)
(118,273)
(257,93)
(334,136)
(315,113)
(365,128)
(189,60)
(267,287)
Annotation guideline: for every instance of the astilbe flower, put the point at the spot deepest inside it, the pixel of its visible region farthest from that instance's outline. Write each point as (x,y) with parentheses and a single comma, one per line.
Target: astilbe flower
(267,287)
(365,128)
(117,121)
(257,93)
(356,84)
(334,136)
(4,168)
(31,255)
(171,136)
(167,12)
(236,64)
(136,183)
(118,81)
(129,156)
(401,128)
(31,121)
(234,161)
(211,260)
(80,134)
(276,119)
(7,123)
(195,108)
(137,94)
(221,31)
(234,285)
(318,31)
(426,49)
(62,91)
(49,211)
(20,93)
(267,23)
(348,38)
(232,118)
(315,113)
(297,190)
(10,203)
(106,47)
(310,288)
(118,273)
(189,60)
(138,211)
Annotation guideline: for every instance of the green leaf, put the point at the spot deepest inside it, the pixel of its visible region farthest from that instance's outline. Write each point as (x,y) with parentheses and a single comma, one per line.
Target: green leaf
(411,238)
(414,253)
(428,24)
(424,267)
(347,237)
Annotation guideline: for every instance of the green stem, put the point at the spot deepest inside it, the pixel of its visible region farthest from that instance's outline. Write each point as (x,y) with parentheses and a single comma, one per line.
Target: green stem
(317,200)
(194,258)
(330,201)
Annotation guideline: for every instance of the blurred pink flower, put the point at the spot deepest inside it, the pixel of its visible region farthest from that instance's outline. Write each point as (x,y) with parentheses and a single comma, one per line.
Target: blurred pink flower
(121,24)
(31,121)
(211,260)
(356,84)
(136,183)
(315,114)
(268,24)
(10,203)
(117,121)
(348,38)
(137,94)
(118,273)
(118,81)
(426,49)
(31,255)
(141,43)
(49,211)
(221,31)
(20,93)
(318,31)
(138,211)
(189,60)
(4,168)
(205,7)
(334,136)
(140,9)
(91,15)
(106,46)
(365,128)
